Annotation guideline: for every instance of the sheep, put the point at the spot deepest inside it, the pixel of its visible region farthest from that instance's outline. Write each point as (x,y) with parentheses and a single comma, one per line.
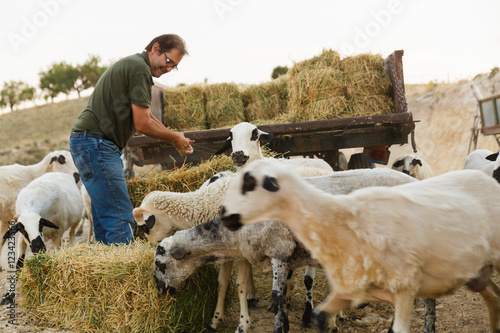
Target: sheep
(382,244)
(161,211)
(45,209)
(484,160)
(15,177)
(244,139)
(224,249)
(413,166)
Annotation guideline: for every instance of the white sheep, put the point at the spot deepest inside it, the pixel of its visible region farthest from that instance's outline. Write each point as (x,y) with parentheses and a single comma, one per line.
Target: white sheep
(413,166)
(383,244)
(484,160)
(244,139)
(45,209)
(209,244)
(15,177)
(161,211)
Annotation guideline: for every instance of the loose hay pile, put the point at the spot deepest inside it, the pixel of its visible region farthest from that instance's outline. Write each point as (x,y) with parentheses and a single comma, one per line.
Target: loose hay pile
(183,179)
(98,288)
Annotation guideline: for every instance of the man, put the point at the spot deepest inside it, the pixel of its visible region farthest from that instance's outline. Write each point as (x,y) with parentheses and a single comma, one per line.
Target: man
(118,106)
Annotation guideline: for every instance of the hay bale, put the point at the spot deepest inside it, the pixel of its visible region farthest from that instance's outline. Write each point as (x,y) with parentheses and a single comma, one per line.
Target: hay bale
(365,62)
(327,108)
(224,107)
(184,108)
(103,288)
(327,59)
(365,75)
(264,101)
(311,85)
(183,179)
(361,106)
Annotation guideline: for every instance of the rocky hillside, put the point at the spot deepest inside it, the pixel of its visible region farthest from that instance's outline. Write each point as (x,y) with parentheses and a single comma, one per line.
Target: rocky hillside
(446,113)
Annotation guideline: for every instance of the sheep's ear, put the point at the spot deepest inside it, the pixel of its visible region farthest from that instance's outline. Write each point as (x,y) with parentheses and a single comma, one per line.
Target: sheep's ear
(47,223)
(271,184)
(492,157)
(266,137)
(416,161)
(248,183)
(150,222)
(178,253)
(53,159)
(398,163)
(76,175)
(225,146)
(13,231)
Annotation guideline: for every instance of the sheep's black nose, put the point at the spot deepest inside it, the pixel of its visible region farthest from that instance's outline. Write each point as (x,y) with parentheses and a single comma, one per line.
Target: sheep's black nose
(406,171)
(37,245)
(239,158)
(232,222)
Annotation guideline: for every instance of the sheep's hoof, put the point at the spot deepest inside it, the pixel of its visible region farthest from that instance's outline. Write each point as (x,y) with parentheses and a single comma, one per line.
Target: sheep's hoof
(252,302)
(273,308)
(307,317)
(210,329)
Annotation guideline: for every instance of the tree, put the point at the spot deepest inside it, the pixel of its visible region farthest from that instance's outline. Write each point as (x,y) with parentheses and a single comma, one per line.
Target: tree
(89,73)
(14,92)
(279,70)
(60,78)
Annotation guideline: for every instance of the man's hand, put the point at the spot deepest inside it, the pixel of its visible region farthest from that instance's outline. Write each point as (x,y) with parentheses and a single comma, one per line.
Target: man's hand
(183,145)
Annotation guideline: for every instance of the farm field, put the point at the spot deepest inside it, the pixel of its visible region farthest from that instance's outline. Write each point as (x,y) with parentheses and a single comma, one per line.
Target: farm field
(445,113)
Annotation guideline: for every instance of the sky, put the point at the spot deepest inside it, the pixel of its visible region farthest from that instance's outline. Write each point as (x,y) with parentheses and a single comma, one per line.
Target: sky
(242,41)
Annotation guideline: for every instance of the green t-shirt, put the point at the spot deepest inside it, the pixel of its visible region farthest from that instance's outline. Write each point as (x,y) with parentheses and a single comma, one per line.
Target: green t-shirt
(109,108)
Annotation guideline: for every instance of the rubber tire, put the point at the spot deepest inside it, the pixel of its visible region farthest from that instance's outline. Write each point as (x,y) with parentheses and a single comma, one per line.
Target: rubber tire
(356,162)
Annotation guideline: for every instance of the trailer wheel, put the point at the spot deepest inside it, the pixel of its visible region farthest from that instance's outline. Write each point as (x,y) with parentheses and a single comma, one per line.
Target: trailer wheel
(356,162)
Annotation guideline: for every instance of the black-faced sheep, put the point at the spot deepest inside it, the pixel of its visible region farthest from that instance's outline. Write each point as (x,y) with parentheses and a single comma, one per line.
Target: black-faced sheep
(413,166)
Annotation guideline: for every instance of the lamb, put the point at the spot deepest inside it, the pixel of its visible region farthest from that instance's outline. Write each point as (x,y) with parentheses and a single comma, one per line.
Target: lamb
(413,166)
(45,209)
(245,139)
(484,160)
(225,249)
(15,177)
(371,248)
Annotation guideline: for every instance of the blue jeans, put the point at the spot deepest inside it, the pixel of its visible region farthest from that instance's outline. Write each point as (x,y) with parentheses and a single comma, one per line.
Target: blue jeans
(100,166)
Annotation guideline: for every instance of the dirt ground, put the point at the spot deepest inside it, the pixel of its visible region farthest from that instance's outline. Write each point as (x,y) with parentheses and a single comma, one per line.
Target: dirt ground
(445,115)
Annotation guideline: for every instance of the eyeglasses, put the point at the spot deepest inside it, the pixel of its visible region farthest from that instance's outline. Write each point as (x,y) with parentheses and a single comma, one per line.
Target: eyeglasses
(174,67)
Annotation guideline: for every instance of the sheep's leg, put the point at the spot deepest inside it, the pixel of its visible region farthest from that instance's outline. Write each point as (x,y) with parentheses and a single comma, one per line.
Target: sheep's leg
(280,272)
(329,309)
(290,285)
(309,274)
(403,305)
(430,315)
(224,275)
(244,270)
(251,290)
(72,231)
(491,296)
